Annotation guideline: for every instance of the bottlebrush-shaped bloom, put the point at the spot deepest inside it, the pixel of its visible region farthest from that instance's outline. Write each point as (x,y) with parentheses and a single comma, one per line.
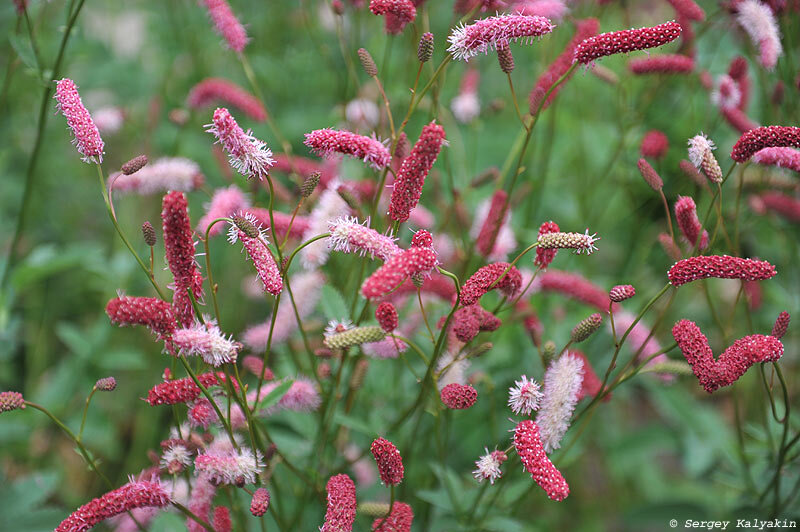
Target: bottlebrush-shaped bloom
(468,321)
(226,24)
(261,256)
(302,396)
(341,512)
(486,216)
(529,447)
(326,142)
(493,220)
(654,144)
(662,64)
(465,106)
(581,243)
(688,9)
(781,157)
(224,202)
(585,328)
(484,35)
(732,363)
(255,365)
(151,312)
(248,155)
(386,315)
(181,390)
(621,292)
(619,42)
(488,466)
(411,176)
(576,287)
(208,342)
(106,384)
(738,119)
(87,137)
(758,21)
(126,498)
(689,224)
(203,493)
(458,396)
(407,263)
(524,396)
(778,330)
(210,90)
(585,28)
(349,236)
(179,249)
(176,457)
(398,521)
(354,336)
(166,173)
(398,13)
(759,138)
(259,504)
(388,460)
(720,267)
(509,283)
(11,401)
(562,384)
(230,467)
(545,256)
(786,206)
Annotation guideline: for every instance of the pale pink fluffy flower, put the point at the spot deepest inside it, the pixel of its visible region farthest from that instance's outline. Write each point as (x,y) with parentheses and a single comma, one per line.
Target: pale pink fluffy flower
(780,156)
(386,348)
(562,384)
(552,9)
(208,342)
(230,467)
(349,236)
(483,35)
(166,173)
(726,95)
(109,119)
(758,21)
(224,202)
(87,138)
(250,156)
(226,24)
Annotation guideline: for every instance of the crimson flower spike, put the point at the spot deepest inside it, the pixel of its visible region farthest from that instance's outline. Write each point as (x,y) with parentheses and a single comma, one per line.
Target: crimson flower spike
(619,42)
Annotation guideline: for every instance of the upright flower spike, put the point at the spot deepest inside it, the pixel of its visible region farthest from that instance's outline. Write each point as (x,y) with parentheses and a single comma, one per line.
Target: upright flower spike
(248,155)
(732,363)
(11,401)
(398,521)
(87,137)
(458,396)
(207,341)
(562,386)
(545,256)
(411,176)
(781,325)
(701,155)
(179,248)
(151,312)
(524,396)
(226,24)
(508,283)
(349,236)
(488,466)
(211,90)
(581,243)
(759,22)
(397,13)
(388,460)
(341,512)
(222,519)
(134,165)
(662,64)
(620,42)
(505,57)
(425,48)
(181,390)
(485,34)
(764,137)
(129,497)
(720,267)
(530,450)
(326,142)
(413,261)
(259,504)
(689,223)
(264,262)
(650,175)
(492,224)
(106,384)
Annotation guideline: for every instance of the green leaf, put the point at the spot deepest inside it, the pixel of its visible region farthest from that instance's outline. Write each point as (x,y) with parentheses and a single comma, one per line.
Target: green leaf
(25,52)
(354,424)
(275,395)
(333,304)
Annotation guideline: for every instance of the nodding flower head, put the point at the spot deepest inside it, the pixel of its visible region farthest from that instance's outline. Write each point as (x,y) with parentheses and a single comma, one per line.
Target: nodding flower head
(250,156)
(151,312)
(488,466)
(458,396)
(230,467)
(689,223)
(399,520)
(388,460)
(499,275)
(398,13)
(217,89)
(260,502)
(758,21)
(257,250)
(341,512)
(181,390)
(134,165)
(720,267)
(326,142)
(87,137)
(106,384)
(226,24)
(485,34)
(530,450)
(11,401)
(524,396)
(620,42)
(621,292)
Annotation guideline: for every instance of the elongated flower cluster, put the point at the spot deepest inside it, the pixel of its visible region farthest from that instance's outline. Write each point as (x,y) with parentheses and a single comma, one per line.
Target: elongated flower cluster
(87,137)
(621,292)
(200,500)
(151,312)
(11,401)
(106,384)
(662,64)
(492,223)
(544,256)
(230,467)
(179,249)
(562,384)
(181,390)
(341,512)
(226,24)
(248,155)
(354,336)
(128,497)
(398,13)
(259,504)
(208,342)
(134,165)
(166,173)
(410,262)
(458,396)
(689,224)
(388,460)
(210,90)
(494,275)
(720,267)
(581,243)
(759,138)
(781,157)
(654,144)
(349,236)
(529,447)
(262,258)
(620,42)
(485,34)
(326,142)
(411,176)
(650,175)
(468,321)
(222,519)
(732,363)
(781,325)
(224,203)
(586,328)
(488,466)
(386,315)
(524,396)
(759,22)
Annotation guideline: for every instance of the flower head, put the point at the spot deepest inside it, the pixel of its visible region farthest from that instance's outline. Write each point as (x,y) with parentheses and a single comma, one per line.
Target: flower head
(413,171)
(386,315)
(398,13)
(106,384)
(654,144)
(151,312)
(759,22)
(532,453)
(495,218)
(179,249)
(226,24)
(134,165)
(688,9)
(262,258)
(586,328)
(325,142)
(781,324)
(499,275)
(399,520)
(720,267)
(355,336)
(581,243)
(764,137)
(458,396)
(341,512)
(87,137)
(485,34)
(544,256)
(349,236)
(250,156)
(230,467)
(488,466)
(781,157)
(662,64)
(181,390)
(524,396)
(468,321)
(562,385)
(689,224)
(11,401)
(621,292)
(259,504)
(407,263)
(388,460)
(619,42)
(208,342)
(166,173)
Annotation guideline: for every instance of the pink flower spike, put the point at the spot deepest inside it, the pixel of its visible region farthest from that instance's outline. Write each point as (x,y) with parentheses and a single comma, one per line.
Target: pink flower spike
(621,292)
(87,137)
(398,13)
(411,176)
(260,502)
(386,315)
(562,380)
(759,138)
(222,519)
(11,401)
(458,396)
(405,264)
(341,512)
(259,253)
(781,157)
(619,42)
(524,396)
(208,342)
(349,236)
(205,93)
(248,155)
(759,22)
(484,35)
(490,229)
(530,450)
(478,284)
(654,144)
(181,390)
(576,287)
(720,267)
(786,206)
(151,312)
(662,64)
(689,224)
(130,496)
(545,256)
(388,460)
(326,142)
(179,249)
(781,325)
(226,23)
(398,521)
(230,466)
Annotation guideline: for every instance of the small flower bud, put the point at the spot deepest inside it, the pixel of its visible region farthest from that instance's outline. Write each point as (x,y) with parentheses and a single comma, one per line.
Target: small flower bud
(107,384)
(586,328)
(338,7)
(580,242)
(621,292)
(549,351)
(425,49)
(309,184)
(505,58)
(418,280)
(323,352)
(260,502)
(134,165)
(245,226)
(355,336)
(711,167)
(149,234)
(367,62)
(781,324)
(11,401)
(650,175)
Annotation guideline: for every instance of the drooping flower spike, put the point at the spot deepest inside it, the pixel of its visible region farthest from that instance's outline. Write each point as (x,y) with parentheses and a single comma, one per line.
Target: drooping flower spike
(408,263)
(781,157)
(689,223)
(153,313)
(181,390)
(759,138)
(720,267)
(224,203)
(470,320)
(758,21)
(87,137)
(248,155)
(619,42)
(388,460)
(226,24)
(349,236)
(162,175)
(662,64)
(531,452)
(326,142)
(398,13)
(179,248)
(207,341)
(230,467)
(399,520)
(494,276)
(211,90)
(256,248)
(485,34)
(688,9)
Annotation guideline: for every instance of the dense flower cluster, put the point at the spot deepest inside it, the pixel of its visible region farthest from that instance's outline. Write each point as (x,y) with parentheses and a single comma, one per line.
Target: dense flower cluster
(250,156)
(399,520)
(410,262)
(226,24)
(411,176)
(721,267)
(179,249)
(341,512)
(87,138)
(499,275)
(388,460)
(153,313)
(326,142)
(530,450)
(759,138)
(458,396)
(484,35)
(181,390)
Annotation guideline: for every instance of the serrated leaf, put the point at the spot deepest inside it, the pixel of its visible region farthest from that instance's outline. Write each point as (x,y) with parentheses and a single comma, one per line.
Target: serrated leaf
(333,304)
(275,395)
